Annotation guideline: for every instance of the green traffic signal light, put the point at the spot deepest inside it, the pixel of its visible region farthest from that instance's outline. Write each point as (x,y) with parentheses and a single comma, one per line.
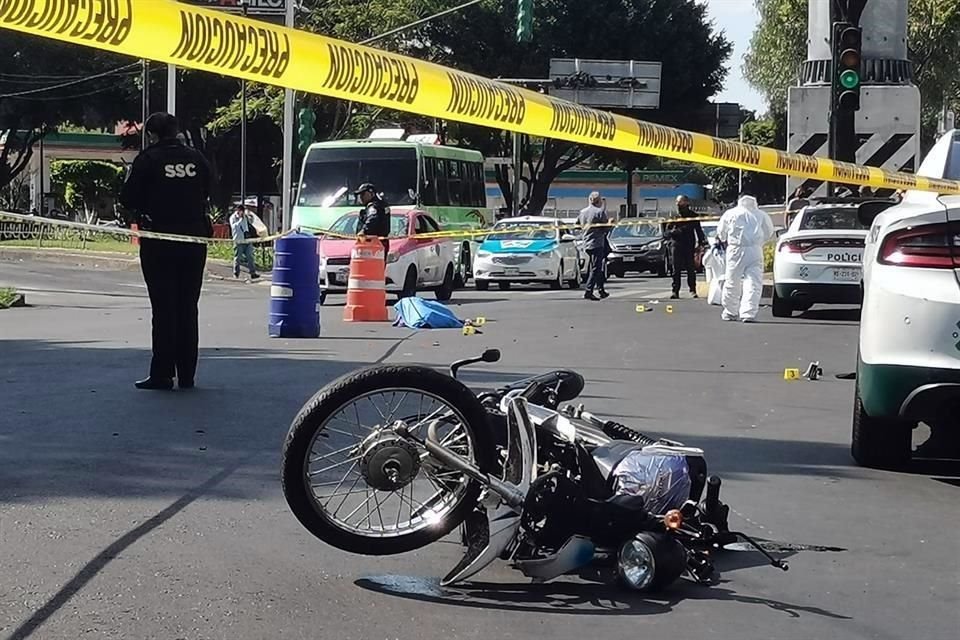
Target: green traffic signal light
(849,79)
(306,132)
(524,20)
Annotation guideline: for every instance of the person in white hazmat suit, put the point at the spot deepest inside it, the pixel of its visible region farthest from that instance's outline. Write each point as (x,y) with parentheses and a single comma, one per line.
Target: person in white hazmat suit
(744,230)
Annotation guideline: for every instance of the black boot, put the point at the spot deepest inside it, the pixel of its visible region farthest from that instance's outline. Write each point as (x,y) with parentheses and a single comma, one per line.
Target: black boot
(154,384)
(603,294)
(589,296)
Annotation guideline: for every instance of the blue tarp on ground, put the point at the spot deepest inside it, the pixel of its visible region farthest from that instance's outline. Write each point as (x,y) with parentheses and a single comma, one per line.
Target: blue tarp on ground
(417,313)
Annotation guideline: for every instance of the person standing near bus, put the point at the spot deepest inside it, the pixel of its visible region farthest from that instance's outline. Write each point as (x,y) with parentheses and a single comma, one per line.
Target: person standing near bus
(374,217)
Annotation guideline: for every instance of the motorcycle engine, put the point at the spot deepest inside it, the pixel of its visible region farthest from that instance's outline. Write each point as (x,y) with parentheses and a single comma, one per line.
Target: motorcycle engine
(551,509)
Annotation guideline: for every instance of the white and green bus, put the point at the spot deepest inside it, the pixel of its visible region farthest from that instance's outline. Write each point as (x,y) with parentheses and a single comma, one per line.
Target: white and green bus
(446,182)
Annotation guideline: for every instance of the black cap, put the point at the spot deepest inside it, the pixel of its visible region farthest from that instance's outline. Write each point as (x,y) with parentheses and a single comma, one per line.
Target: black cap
(366,186)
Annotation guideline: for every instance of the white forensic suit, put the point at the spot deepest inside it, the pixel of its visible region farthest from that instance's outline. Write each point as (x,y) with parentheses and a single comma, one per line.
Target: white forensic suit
(745,229)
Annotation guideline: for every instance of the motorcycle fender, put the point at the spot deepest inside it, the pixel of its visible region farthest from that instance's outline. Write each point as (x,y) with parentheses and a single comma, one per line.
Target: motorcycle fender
(487,533)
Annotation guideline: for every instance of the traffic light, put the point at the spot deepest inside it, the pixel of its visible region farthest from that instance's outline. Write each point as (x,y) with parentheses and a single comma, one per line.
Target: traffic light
(524,20)
(306,132)
(847,42)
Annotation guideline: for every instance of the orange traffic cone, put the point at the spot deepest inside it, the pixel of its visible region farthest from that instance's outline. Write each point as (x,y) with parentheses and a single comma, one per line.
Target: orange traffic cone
(366,289)
(134,240)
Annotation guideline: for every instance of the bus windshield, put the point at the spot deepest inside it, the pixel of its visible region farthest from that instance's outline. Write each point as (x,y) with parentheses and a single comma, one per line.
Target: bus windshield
(347,225)
(392,170)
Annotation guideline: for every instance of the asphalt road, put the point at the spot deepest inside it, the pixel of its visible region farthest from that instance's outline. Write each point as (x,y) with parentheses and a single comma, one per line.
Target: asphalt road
(126,514)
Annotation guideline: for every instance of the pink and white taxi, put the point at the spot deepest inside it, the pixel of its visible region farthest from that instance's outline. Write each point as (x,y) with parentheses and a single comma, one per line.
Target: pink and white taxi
(413,264)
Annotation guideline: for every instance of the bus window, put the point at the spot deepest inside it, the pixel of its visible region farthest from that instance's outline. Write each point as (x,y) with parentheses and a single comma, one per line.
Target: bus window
(468,191)
(443,195)
(428,190)
(455,182)
(479,188)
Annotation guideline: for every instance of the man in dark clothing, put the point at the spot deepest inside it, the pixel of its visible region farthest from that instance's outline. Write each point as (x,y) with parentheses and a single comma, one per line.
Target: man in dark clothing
(374,217)
(167,188)
(595,224)
(682,239)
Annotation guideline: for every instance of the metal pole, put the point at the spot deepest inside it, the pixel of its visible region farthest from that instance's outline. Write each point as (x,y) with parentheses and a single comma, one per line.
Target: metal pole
(172,89)
(41,170)
(740,176)
(243,132)
(289,100)
(146,102)
(517,170)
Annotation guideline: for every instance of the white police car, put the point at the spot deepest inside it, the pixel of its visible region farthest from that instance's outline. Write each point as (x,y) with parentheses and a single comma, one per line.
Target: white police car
(908,368)
(527,249)
(818,259)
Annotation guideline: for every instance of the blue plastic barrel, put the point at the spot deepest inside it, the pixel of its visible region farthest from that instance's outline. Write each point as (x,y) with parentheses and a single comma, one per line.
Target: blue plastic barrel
(295,291)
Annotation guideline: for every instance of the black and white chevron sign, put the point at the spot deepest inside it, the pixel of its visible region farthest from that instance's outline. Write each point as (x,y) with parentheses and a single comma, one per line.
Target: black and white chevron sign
(896,152)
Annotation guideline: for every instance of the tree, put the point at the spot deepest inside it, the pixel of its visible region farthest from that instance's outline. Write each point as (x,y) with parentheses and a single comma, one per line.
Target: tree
(86,183)
(46,82)
(767,188)
(675,32)
(778,48)
(481,39)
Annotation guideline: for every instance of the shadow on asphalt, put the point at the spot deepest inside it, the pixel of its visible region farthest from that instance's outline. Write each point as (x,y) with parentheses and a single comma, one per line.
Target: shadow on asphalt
(572,598)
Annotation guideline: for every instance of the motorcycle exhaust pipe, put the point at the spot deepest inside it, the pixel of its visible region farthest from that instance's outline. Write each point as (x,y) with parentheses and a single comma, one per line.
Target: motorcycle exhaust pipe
(508,492)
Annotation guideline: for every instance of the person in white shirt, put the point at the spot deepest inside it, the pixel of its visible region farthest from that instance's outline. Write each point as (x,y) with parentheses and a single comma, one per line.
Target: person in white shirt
(744,230)
(241,228)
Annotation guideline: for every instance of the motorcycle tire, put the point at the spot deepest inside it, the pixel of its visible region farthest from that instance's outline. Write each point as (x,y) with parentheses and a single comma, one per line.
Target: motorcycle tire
(327,402)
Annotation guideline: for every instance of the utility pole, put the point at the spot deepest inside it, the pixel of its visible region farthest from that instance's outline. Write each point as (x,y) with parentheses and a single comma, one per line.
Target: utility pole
(289,103)
(145,107)
(243,129)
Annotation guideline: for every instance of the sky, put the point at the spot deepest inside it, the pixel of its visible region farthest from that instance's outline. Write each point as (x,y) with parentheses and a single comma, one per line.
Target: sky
(737,18)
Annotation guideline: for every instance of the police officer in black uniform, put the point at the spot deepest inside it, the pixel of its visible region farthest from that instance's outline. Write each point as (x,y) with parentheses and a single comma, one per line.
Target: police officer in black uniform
(683,238)
(167,188)
(375,215)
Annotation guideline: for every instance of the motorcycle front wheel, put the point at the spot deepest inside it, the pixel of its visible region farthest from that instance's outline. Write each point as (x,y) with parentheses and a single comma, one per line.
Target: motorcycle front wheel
(357,484)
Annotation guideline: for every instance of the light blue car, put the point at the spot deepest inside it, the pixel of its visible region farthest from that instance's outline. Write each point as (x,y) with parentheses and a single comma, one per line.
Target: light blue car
(528,249)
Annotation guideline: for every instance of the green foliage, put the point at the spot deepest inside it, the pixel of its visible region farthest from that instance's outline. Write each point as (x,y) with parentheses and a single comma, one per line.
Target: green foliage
(765,187)
(86,182)
(769,251)
(8,297)
(778,48)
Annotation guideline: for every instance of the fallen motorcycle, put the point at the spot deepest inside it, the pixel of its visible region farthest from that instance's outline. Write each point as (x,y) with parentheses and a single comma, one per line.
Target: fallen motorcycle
(392,458)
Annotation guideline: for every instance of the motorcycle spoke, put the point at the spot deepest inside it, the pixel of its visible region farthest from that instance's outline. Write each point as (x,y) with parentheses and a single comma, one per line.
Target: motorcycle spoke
(342,502)
(341,481)
(365,503)
(333,466)
(383,418)
(332,453)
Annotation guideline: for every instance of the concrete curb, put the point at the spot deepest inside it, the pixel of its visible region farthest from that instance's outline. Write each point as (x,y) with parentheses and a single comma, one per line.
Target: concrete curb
(218,269)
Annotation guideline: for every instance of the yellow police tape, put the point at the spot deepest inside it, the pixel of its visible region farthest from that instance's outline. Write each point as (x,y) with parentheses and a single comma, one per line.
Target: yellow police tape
(231,45)
(130,233)
(459,234)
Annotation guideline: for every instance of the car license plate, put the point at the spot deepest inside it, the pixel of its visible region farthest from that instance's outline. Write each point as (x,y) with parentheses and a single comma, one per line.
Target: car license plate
(629,258)
(511,271)
(847,275)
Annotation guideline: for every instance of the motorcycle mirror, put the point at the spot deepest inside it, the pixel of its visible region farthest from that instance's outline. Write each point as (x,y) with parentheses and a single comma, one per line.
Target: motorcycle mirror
(491,355)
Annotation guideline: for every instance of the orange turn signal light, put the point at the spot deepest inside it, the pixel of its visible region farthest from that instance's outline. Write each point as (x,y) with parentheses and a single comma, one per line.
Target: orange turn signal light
(673,519)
